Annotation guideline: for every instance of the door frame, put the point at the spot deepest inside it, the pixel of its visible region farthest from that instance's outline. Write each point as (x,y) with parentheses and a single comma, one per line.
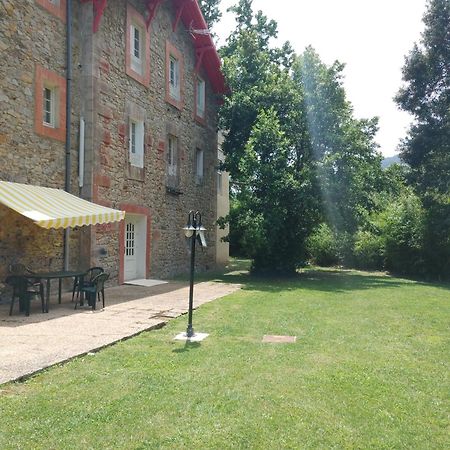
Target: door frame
(133,209)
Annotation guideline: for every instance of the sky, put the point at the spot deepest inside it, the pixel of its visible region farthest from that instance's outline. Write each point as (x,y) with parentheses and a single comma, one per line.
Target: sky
(371,37)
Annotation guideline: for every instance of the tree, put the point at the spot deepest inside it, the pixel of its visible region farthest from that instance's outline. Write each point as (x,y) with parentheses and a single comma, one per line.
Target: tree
(348,162)
(426,95)
(265,146)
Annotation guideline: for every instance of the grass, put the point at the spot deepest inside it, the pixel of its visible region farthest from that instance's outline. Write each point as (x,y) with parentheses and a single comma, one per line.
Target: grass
(369,370)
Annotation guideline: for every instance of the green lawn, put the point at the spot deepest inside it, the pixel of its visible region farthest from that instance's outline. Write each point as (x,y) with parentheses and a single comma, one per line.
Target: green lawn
(370,369)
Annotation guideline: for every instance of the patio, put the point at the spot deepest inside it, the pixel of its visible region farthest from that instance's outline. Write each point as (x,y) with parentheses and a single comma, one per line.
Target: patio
(30,344)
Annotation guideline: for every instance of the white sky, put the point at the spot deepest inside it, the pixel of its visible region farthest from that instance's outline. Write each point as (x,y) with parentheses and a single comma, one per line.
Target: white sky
(370,37)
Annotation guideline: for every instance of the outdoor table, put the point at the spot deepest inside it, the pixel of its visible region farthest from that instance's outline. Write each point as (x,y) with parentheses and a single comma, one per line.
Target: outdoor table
(53,275)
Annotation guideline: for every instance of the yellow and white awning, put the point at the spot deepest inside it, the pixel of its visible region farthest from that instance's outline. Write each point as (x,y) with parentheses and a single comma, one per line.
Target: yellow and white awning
(54,208)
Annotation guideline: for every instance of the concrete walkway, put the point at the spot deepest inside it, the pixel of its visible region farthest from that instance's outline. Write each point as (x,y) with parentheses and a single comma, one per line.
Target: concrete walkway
(29,344)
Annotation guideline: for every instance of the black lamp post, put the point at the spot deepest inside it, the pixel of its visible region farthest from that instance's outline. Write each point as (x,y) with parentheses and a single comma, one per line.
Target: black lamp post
(192,230)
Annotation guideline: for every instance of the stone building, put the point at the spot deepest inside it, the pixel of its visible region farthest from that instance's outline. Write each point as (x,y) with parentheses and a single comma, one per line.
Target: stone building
(145,84)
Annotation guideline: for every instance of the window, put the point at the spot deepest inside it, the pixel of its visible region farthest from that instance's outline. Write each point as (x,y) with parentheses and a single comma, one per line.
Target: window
(200,100)
(136,143)
(137,56)
(219,183)
(172,156)
(199,165)
(49,107)
(172,161)
(174,78)
(50,104)
(136,52)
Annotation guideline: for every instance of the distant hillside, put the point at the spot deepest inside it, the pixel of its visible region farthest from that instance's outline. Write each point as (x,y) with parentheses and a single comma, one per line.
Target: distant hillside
(389,161)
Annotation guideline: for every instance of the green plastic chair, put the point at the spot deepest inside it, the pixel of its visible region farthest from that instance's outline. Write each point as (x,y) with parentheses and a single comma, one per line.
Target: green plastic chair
(25,290)
(93,291)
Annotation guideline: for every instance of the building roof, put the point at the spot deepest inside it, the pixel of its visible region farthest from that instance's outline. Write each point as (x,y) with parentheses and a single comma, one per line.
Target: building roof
(206,51)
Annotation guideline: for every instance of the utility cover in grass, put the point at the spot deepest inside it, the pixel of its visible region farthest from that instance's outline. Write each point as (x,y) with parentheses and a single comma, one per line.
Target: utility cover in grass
(279,339)
(197,337)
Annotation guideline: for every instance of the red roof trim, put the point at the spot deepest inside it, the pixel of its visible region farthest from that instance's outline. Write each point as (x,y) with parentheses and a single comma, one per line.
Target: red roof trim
(192,17)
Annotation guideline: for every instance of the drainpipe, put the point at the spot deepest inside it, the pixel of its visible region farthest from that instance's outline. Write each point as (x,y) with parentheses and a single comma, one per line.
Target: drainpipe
(68,118)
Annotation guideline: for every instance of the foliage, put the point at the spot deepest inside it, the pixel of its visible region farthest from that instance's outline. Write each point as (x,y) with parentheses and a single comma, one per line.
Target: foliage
(369,370)
(210,10)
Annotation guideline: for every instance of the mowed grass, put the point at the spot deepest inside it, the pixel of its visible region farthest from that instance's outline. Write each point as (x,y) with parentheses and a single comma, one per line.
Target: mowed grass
(370,369)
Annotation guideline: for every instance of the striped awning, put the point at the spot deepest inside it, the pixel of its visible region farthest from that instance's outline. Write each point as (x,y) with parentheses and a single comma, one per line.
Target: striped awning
(54,208)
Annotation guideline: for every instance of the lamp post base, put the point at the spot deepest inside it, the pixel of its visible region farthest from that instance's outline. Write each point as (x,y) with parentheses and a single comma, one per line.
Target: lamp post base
(196,337)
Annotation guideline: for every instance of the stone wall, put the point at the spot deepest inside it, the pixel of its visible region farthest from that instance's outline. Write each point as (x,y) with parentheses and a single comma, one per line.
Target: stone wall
(29,37)
(118,94)
(103,94)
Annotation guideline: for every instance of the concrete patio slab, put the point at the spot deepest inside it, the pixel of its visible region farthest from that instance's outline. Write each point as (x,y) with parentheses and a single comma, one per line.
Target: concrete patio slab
(30,344)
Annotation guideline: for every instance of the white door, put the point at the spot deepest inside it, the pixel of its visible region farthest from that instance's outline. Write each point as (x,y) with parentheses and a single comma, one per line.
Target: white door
(135,247)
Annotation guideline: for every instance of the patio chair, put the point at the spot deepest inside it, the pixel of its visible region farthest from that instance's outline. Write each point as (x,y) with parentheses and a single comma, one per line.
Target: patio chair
(93,291)
(22,269)
(25,290)
(85,280)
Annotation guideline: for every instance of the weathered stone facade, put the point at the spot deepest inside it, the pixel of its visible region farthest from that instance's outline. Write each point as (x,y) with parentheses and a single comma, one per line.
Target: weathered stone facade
(106,97)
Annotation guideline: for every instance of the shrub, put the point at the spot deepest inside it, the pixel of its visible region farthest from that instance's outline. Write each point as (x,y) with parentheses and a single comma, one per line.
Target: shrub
(321,246)
(404,232)
(369,250)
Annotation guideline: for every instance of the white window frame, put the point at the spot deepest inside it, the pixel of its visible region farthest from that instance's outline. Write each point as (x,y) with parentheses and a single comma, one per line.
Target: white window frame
(172,156)
(199,165)
(137,60)
(201,101)
(49,106)
(136,142)
(174,77)
(54,2)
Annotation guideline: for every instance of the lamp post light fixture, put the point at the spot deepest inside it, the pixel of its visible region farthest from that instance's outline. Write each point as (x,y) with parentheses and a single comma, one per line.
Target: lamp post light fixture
(193,230)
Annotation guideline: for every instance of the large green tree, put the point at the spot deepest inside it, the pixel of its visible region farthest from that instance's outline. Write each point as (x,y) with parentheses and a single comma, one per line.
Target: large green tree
(265,145)
(426,95)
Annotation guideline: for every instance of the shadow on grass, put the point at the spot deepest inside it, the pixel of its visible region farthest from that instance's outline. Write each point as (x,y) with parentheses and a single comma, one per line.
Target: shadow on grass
(187,346)
(314,279)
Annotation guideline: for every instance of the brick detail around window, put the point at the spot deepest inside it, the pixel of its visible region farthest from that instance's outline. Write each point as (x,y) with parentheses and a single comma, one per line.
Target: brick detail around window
(45,77)
(58,10)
